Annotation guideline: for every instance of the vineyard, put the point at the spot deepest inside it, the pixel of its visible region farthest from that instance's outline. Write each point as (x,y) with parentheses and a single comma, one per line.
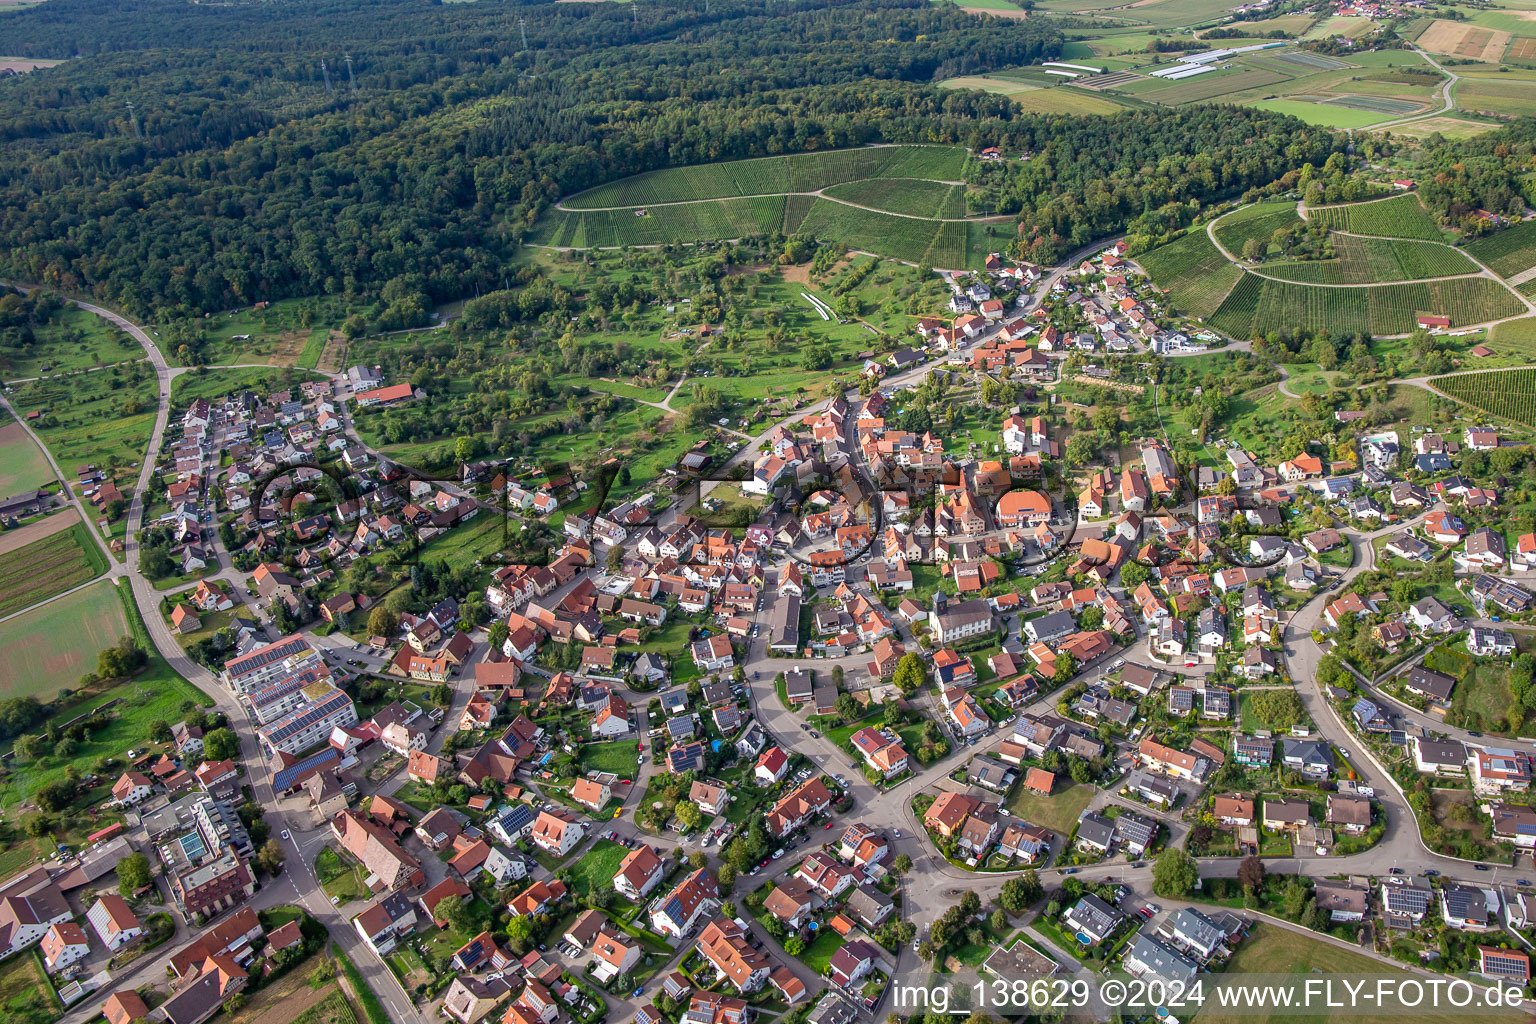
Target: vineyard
(1257,306)
(775,175)
(1510,251)
(944,244)
(1194,272)
(1375,260)
(1510,394)
(684,222)
(914,197)
(1259,221)
(1402,217)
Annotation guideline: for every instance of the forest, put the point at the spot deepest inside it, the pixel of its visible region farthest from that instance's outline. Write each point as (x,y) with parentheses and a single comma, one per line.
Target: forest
(198,157)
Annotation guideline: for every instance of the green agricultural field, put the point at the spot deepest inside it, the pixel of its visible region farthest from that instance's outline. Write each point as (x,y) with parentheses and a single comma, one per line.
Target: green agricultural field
(775,175)
(1208,87)
(49,566)
(1375,260)
(72,340)
(1257,305)
(1507,393)
(1194,272)
(914,197)
(1259,221)
(1160,13)
(155,693)
(49,648)
(1398,217)
(1509,99)
(1329,115)
(1509,251)
(22,465)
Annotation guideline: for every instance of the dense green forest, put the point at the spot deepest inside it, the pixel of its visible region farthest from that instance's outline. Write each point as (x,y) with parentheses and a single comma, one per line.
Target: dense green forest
(240,175)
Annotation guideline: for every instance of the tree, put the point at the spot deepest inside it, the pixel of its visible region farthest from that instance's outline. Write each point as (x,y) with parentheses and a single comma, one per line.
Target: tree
(382,621)
(688,816)
(456,912)
(1174,874)
(38,824)
(270,858)
(133,874)
(1250,873)
(911,673)
(1017,894)
(159,731)
(903,863)
(221,745)
(847,708)
(794,945)
(30,747)
(497,634)
(1133,575)
(698,860)
(519,934)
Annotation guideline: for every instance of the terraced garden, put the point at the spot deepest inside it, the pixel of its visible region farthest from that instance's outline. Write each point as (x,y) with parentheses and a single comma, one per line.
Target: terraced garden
(1258,305)
(1510,251)
(1507,393)
(1194,271)
(47,567)
(1398,217)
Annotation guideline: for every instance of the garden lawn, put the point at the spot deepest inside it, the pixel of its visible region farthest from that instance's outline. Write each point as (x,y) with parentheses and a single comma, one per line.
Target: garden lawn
(341,880)
(818,955)
(597,866)
(25,995)
(1270,949)
(1058,812)
(617,757)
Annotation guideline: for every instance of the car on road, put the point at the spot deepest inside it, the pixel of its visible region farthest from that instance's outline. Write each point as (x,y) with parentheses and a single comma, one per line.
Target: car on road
(826,826)
(815,735)
(1070,871)
(1145,912)
(896,833)
(1482,867)
(1343,752)
(1397,871)
(285,834)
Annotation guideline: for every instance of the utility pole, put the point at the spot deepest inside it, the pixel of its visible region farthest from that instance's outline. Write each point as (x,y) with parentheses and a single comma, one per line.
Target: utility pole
(326,74)
(351,81)
(133,119)
(522,26)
